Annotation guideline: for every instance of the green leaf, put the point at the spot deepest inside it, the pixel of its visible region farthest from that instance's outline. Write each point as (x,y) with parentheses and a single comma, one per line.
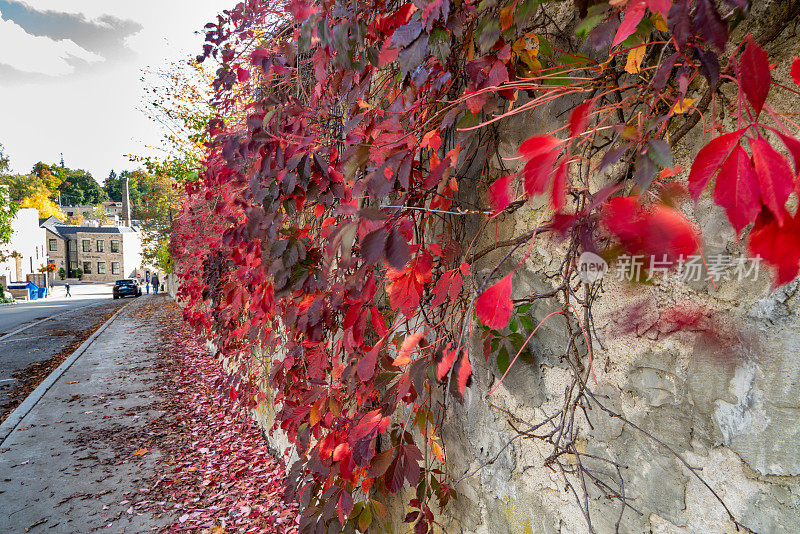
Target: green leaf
(468,120)
(526,322)
(525,10)
(524,308)
(502,359)
(513,325)
(517,341)
(594,16)
(545,50)
(439,43)
(495,343)
(660,152)
(365,519)
(488,32)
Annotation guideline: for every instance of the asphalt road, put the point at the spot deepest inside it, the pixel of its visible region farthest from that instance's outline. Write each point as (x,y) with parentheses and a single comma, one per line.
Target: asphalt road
(27,356)
(14,316)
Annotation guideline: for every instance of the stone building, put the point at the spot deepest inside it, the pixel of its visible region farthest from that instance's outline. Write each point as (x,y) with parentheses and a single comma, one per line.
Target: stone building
(103,253)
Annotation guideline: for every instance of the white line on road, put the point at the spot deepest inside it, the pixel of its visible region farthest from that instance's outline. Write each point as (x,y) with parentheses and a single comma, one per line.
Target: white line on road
(18,339)
(23,328)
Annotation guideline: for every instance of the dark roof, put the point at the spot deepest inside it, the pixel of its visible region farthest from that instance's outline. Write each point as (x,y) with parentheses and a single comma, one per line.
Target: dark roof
(50,221)
(70,229)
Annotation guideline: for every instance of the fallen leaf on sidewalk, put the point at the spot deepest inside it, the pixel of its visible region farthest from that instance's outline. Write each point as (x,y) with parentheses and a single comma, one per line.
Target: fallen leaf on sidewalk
(140,452)
(73,381)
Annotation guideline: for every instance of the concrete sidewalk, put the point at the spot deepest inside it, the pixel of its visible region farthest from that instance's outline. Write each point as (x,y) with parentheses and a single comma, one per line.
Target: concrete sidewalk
(71,465)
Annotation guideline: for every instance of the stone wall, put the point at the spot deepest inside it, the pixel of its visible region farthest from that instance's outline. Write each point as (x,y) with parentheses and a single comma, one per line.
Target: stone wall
(722,395)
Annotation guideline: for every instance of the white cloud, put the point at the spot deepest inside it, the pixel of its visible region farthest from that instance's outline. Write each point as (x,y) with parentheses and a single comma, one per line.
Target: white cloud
(39,54)
(92,116)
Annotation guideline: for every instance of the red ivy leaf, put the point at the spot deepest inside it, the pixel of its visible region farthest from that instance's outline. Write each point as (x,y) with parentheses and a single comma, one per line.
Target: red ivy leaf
(579,118)
(793,146)
(464,373)
(660,6)
(447,362)
(737,189)
(560,185)
(407,348)
(397,253)
(774,176)
(754,74)
(449,285)
(654,231)
(366,365)
(242,74)
(378,322)
(796,70)
(538,145)
(709,25)
(500,194)
(538,172)
(494,306)
(778,246)
(634,12)
(345,506)
(668,233)
(373,244)
(709,160)
(368,424)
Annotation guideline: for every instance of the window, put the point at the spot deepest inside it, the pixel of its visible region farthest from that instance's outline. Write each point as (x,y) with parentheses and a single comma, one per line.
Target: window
(87,245)
(53,245)
(73,246)
(114,245)
(100,245)
(87,267)
(101,267)
(73,265)
(114,267)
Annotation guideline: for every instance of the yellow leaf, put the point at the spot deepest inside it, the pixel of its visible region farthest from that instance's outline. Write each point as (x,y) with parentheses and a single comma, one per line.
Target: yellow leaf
(507,16)
(140,452)
(635,57)
(315,415)
(683,106)
(437,450)
(659,23)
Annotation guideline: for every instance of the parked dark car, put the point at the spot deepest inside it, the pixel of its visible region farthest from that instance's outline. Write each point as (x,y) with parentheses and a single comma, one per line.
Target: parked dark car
(127,288)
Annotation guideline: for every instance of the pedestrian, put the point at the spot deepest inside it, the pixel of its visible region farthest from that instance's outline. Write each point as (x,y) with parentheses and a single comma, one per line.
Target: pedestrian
(67,287)
(154,281)
(147,287)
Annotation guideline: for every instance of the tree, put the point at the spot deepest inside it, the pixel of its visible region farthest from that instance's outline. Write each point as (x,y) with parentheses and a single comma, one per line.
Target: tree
(160,201)
(40,200)
(21,186)
(48,177)
(5,161)
(79,188)
(8,209)
(113,188)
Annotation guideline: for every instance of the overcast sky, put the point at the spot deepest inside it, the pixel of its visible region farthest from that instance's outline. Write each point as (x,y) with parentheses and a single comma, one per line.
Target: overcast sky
(70,76)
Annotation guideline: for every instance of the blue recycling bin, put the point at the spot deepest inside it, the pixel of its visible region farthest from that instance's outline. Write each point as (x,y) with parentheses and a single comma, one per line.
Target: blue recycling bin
(42,292)
(33,289)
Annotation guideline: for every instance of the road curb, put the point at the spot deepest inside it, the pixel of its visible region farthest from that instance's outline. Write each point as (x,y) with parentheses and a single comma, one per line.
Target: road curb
(19,413)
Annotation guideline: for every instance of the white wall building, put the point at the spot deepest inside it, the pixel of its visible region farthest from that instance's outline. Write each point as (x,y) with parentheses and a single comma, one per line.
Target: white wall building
(25,252)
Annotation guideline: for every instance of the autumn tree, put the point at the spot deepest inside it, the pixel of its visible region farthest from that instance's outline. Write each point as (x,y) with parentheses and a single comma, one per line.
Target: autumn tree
(40,199)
